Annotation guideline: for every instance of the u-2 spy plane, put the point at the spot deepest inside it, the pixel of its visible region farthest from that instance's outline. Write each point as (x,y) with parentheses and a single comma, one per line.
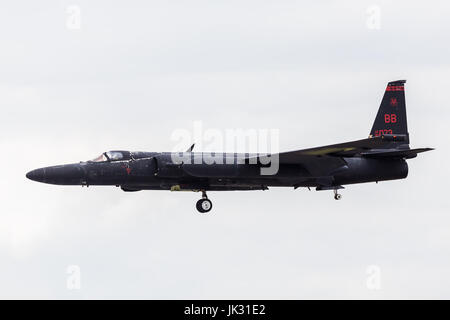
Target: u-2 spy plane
(382,156)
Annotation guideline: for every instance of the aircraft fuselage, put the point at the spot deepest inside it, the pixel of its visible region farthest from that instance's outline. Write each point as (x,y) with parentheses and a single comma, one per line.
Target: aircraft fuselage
(160,172)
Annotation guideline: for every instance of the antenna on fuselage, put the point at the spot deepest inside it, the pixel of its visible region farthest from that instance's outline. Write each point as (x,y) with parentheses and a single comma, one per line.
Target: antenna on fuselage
(191,148)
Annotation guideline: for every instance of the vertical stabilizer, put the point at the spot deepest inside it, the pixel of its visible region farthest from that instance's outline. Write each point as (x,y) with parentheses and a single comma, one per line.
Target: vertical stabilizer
(391,116)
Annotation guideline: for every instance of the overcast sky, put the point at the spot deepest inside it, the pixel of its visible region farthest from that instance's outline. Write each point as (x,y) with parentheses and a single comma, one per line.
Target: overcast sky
(126,74)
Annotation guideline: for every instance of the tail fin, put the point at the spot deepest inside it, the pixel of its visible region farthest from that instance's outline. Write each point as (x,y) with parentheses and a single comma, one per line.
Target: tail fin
(391,116)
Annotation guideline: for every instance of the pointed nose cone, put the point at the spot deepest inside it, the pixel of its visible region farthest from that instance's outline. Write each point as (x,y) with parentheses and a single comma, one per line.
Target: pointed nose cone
(37,175)
(69,174)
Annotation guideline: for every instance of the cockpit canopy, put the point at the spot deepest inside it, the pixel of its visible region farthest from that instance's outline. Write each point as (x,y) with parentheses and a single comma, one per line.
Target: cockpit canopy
(113,156)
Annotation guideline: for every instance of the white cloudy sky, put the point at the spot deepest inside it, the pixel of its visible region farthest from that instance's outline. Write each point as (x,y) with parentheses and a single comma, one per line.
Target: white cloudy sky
(138,70)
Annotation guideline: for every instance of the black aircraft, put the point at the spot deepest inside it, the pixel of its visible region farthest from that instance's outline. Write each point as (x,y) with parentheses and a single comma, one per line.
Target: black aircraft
(380,157)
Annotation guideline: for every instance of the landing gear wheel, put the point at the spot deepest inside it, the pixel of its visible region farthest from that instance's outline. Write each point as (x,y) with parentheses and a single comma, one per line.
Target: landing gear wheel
(337,196)
(204,205)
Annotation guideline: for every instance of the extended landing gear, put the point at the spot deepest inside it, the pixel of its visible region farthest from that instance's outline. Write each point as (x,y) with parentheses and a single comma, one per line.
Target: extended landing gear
(337,196)
(204,205)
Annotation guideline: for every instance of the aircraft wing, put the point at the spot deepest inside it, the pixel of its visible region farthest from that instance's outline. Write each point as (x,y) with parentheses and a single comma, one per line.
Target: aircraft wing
(407,153)
(346,149)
